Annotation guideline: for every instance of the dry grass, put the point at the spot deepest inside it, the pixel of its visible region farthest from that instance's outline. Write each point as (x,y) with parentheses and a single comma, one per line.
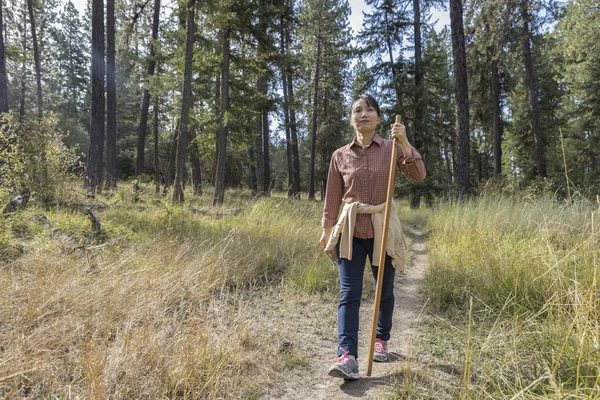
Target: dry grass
(530,269)
(157,305)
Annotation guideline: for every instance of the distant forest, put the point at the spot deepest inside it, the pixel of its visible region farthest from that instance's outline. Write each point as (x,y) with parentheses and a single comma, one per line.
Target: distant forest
(255,94)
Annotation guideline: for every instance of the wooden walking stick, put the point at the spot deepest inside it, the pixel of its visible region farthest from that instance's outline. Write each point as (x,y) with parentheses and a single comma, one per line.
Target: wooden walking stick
(382,252)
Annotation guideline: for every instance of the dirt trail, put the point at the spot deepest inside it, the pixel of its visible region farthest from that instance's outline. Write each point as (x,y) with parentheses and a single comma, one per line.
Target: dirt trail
(319,341)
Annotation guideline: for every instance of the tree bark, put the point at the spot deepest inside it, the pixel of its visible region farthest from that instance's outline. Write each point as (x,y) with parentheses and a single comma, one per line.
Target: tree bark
(418,123)
(23,66)
(532,91)
(186,100)
(224,129)
(36,59)
(395,75)
(496,119)
(286,108)
(3,79)
(313,133)
(93,176)
(196,170)
(141,143)
(293,126)
(462,98)
(111,98)
(156,164)
(170,172)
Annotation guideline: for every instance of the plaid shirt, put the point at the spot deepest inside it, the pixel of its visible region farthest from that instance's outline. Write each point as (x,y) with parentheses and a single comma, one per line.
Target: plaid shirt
(361,174)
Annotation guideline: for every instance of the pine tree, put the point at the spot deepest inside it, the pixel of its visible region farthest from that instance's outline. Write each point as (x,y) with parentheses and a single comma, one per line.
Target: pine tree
(111,98)
(3,80)
(462,98)
(141,143)
(93,174)
(36,57)
(186,102)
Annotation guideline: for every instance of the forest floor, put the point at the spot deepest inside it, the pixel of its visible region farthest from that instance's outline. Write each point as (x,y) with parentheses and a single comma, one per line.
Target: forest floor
(313,328)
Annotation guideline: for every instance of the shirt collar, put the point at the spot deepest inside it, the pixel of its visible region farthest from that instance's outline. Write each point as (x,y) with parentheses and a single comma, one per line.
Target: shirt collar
(376,139)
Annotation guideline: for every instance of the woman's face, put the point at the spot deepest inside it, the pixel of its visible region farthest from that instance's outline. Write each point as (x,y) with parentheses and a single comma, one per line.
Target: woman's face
(363,117)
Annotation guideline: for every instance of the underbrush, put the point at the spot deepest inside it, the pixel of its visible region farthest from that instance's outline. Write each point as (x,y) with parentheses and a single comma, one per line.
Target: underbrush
(516,283)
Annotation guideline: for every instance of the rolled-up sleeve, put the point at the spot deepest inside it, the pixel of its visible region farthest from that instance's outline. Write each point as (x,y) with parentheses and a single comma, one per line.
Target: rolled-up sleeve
(333,193)
(412,166)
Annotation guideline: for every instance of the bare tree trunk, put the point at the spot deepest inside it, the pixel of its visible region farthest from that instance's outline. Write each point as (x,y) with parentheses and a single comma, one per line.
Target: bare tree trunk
(447,157)
(313,133)
(141,143)
(532,89)
(3,79)
(93,175)
(496,120)
(224,130)
(170,172)
(286,109)
(395,75)
(257,150)
(196,170)
(462,98)
(36,58)
(111,98)
(156,164)
(252,171)
(293,126)
(23,65)
(418,124)
(186,100)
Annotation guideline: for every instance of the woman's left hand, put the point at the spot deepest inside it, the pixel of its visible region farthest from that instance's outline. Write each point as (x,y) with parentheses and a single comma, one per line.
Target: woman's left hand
(399,132)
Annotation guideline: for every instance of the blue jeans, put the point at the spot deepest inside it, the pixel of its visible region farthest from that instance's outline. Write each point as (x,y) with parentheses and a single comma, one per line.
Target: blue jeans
(351,282)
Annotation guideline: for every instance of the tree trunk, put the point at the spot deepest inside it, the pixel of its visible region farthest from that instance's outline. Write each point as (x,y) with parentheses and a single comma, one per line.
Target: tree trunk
(313,133)
(418,123)
(462,98)
(252,170)
(447,157)
(496,120)
(186,100)
(3,79)
(141,143)
(111,98)
(93,176)
(23,66)
(264,90)
(36,58)
(156,165)
(532,89)
(196,170)
(395,76)
(223,131)
(170,172)
(257,149)
(286,109)
(293,126)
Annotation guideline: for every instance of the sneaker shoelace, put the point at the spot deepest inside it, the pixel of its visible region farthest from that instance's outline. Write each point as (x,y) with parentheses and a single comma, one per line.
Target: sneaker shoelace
(344,357)
(379,346)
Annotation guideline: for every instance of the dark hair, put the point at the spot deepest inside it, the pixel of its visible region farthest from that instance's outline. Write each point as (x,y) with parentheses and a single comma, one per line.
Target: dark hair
(370,100)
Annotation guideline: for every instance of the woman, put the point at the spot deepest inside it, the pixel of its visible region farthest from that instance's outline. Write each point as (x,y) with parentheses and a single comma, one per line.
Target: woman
(358,177)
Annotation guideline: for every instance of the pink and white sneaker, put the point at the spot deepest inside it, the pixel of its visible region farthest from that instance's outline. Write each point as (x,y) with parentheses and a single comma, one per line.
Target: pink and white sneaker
(345,367)
(381,353)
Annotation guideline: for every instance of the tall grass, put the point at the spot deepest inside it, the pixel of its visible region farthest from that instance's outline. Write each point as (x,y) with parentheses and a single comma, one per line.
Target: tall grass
(530,269)
(160,304)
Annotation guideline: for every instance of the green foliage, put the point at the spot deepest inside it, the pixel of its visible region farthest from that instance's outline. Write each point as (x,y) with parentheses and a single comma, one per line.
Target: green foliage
(33,155)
